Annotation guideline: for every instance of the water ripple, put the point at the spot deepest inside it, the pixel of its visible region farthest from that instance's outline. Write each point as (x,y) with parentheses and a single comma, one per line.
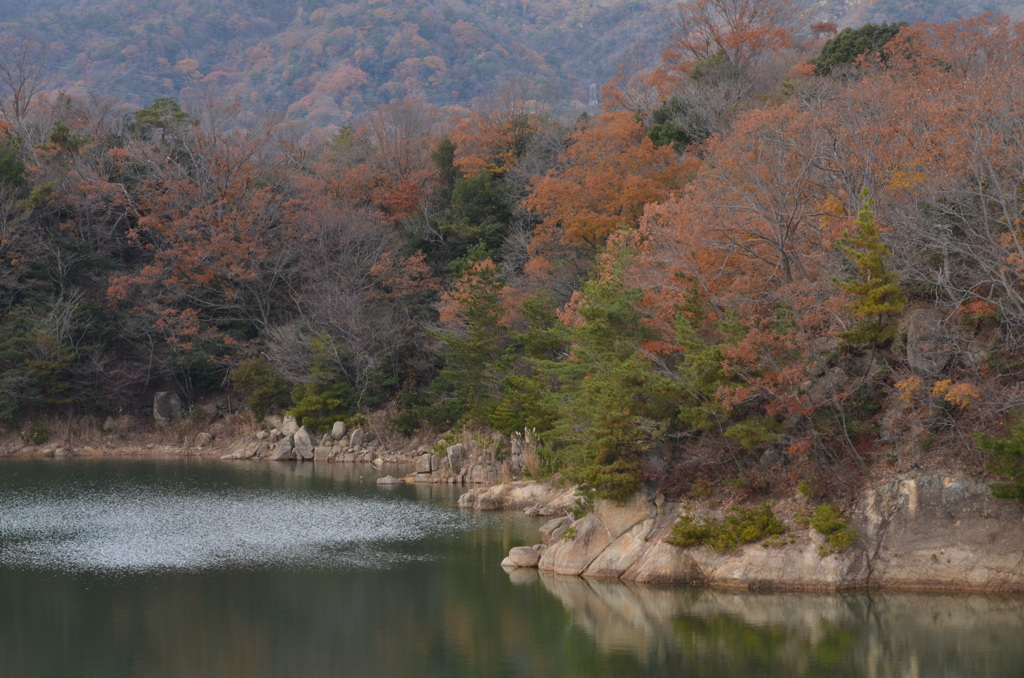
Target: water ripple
(132,529)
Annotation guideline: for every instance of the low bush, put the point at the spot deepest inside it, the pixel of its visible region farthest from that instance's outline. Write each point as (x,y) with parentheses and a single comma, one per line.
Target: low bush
(741,526)
(829,521)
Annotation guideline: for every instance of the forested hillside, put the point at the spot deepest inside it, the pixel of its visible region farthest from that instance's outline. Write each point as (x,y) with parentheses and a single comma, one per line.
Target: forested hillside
(326,62)
(767,260)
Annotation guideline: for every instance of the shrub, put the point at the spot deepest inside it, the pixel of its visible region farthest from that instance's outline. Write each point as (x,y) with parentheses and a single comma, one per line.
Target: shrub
(829,521)
(741,526)
(405,423)
(263,389)
(37,433)
(1008,460)
(319,405)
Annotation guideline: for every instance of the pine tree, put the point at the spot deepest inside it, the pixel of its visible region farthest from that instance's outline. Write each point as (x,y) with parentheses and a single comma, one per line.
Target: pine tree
(878,298)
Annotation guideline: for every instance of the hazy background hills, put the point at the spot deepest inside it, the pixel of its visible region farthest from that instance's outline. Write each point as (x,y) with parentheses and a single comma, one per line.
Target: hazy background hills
(324,62)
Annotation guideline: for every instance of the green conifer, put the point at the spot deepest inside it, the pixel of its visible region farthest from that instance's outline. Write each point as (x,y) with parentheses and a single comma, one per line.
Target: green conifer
(878,298)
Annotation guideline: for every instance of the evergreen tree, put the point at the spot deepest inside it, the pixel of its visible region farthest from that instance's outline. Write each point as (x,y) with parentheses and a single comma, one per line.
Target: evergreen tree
(878,298)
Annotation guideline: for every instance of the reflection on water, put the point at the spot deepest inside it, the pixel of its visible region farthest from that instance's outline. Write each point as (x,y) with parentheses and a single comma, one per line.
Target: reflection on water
(131,569)
(714,632)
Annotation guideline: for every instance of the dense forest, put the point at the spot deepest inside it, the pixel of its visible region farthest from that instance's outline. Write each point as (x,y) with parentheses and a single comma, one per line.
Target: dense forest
(325,62)
(772,257)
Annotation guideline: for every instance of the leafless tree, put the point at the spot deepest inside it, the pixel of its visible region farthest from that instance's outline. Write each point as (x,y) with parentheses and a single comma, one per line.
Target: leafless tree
(22,76)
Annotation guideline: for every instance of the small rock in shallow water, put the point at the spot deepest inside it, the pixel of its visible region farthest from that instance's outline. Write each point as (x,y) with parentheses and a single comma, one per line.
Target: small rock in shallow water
(524,556)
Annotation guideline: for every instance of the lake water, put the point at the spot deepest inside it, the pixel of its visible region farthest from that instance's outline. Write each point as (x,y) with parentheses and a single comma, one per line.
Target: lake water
(198,568)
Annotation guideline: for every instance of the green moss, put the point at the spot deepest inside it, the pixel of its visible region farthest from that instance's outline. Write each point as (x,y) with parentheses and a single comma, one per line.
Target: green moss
(829,521)
(741,526)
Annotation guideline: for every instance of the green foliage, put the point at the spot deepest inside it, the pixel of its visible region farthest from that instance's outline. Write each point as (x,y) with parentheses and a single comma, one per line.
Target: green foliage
(666,125)
(829,521)
(853,42)
(1007,460)
(319,404)
(609,399)
(473,352)
(326,397)
(878,297)
(715,68)
(40,194)
(164,114)
(808,490)
(444,159)
(405,423)
(37,433)
(12,167)
(479,215)
(755,432)
(701,371)
(741,526)
(65,139)
(263,388)
(37,358)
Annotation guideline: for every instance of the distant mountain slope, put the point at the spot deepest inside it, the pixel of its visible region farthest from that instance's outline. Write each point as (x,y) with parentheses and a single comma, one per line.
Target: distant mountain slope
(326,61)
(857,12)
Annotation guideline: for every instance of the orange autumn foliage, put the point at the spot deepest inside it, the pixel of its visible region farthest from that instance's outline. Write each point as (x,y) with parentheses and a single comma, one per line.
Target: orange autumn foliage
(606,176)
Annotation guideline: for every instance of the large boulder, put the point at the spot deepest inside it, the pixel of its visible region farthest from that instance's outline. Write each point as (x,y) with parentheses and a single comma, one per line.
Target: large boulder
(303,443)
(423,464)
(289,425)
(622,553)
(166,406)
(553,530)
(284,449)
(664,563)
(338,430)
(585,540)
(357,438)
(524,556)
(929,350)
(456,456)
(619,518)
(522,495)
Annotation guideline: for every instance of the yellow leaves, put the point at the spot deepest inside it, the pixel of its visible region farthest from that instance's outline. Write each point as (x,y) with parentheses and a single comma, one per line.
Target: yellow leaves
(900,179)
(958,394)
(910,389)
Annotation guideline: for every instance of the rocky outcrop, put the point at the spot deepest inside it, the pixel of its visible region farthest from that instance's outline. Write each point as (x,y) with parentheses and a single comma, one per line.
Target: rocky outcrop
(929,350)
(303,444)
(338,430)
(286,441)
(523,556)
(166,406)
(942,532)
(924,532)
(524,495)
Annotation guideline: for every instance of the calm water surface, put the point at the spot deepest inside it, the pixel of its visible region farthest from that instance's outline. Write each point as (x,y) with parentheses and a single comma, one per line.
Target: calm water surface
(199,568)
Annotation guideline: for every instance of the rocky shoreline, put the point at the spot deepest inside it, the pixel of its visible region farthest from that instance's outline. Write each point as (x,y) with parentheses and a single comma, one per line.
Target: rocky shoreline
(920,532)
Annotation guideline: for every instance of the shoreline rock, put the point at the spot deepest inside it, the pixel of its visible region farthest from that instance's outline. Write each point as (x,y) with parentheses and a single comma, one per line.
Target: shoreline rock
(926,532)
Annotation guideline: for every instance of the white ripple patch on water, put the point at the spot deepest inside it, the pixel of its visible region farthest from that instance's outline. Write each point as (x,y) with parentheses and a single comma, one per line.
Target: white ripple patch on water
(136,530)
